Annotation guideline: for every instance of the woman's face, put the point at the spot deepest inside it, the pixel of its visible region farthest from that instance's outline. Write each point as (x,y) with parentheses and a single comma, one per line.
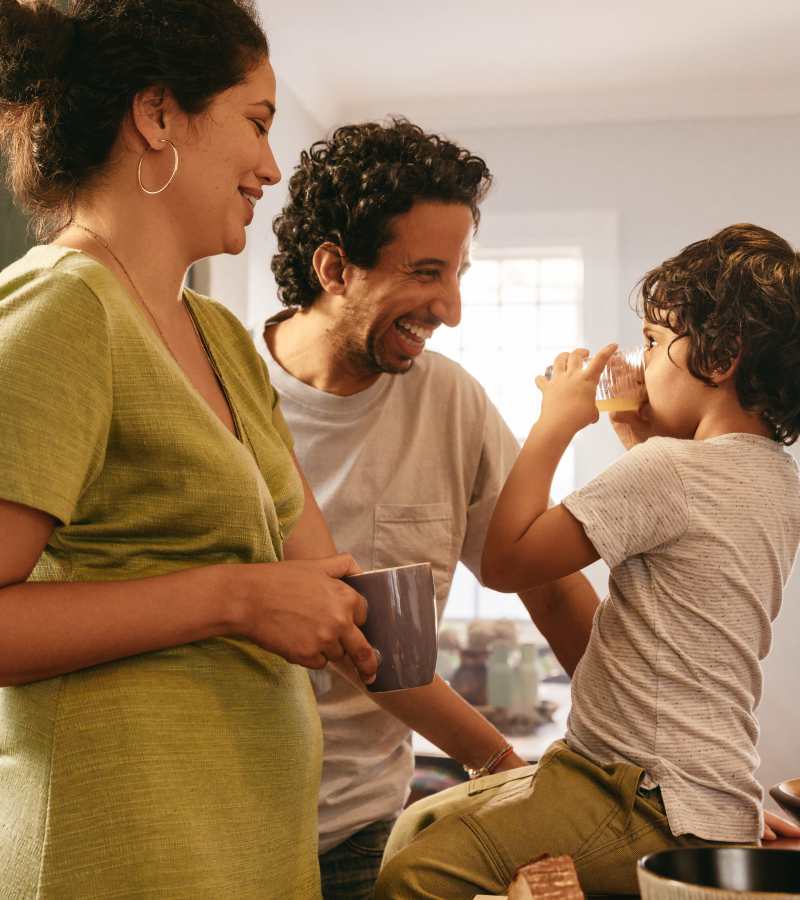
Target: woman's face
(225,162)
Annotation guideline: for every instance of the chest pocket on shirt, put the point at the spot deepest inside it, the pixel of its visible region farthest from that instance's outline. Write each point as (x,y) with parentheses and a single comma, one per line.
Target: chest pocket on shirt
(420,532)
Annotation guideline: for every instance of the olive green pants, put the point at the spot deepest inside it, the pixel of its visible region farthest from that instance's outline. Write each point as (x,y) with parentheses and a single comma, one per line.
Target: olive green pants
(470,839)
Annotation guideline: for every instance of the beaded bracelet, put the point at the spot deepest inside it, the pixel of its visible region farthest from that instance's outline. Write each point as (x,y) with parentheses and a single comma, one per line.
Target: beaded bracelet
(491,763)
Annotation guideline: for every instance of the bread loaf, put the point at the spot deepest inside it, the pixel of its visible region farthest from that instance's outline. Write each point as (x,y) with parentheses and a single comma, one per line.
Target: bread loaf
(546,878)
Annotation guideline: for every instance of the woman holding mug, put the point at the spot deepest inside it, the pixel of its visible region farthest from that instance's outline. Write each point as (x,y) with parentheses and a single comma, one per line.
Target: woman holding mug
(155,580)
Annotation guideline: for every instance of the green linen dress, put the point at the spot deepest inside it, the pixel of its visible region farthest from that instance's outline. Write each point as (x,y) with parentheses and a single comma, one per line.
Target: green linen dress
(186,773)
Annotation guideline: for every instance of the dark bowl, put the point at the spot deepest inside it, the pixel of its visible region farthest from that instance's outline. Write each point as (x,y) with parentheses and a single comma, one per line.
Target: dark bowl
(729,868)
(787,795)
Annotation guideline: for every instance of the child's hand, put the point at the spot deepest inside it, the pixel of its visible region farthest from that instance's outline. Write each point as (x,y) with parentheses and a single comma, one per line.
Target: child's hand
(569,395)
(632,427)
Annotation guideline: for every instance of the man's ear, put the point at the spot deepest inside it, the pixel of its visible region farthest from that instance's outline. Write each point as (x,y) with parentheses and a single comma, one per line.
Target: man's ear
(156,117)
(329,264)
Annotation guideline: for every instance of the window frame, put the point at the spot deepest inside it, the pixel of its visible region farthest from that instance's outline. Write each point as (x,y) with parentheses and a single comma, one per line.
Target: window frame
(595,234)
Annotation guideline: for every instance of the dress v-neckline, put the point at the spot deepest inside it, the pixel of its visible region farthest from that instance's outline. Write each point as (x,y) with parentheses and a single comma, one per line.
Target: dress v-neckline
(238,433)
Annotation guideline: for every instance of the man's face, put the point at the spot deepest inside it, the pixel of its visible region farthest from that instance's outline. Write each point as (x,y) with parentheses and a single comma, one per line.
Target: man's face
(390,310)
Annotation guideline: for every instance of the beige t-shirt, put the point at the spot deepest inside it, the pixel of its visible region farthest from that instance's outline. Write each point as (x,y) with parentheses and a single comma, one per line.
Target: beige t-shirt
(700,537)
(407,470)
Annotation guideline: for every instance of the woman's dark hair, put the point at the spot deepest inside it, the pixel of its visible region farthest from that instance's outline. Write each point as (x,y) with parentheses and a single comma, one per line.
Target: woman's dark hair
(737,294)
(67,80)
(347,189)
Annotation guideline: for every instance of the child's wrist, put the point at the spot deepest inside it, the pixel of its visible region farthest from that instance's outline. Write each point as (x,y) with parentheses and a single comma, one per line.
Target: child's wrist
(554,430)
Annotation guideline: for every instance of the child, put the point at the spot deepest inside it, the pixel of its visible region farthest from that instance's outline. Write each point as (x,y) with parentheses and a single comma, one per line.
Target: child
(700,525)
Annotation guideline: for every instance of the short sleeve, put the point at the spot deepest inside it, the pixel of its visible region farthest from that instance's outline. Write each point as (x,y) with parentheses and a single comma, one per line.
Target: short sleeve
(56,389)
(498,452)
(635,506)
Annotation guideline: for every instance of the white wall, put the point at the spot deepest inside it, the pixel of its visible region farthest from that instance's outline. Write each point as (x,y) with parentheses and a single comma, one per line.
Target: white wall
(669,183)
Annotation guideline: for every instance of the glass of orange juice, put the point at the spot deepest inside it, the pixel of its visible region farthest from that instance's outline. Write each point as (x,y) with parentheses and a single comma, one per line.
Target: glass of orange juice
(621,385)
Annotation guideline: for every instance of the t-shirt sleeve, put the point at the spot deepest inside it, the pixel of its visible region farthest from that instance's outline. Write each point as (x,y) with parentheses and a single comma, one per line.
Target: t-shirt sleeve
(499,450)
(278,421)
(56,389)
(637,505)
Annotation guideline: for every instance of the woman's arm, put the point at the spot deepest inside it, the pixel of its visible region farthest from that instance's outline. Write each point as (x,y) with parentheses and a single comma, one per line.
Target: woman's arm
(528,544)
(299,610)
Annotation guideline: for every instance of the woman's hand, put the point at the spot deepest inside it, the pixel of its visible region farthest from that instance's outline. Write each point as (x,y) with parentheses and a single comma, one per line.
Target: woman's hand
(301,610)
(568,400)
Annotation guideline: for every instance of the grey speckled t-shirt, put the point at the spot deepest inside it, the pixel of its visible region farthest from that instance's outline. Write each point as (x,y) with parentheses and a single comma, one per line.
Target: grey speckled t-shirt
(700,537)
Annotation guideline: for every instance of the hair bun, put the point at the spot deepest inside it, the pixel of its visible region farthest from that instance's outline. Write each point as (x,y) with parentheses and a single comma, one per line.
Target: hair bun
(36,40)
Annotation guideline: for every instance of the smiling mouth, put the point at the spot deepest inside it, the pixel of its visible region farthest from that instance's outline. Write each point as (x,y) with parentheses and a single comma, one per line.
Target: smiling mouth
(414,332)
(250,199)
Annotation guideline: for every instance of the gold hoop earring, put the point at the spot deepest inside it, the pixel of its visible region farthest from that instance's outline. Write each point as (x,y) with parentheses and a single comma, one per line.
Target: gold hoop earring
(171,177)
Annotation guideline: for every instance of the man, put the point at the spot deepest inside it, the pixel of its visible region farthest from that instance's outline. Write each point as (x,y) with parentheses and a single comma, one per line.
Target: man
(372,245)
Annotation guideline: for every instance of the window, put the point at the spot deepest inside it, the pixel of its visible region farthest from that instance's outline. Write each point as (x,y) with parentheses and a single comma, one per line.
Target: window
(519,309)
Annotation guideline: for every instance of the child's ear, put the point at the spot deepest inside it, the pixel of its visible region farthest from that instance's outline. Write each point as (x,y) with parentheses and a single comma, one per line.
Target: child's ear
(720,376)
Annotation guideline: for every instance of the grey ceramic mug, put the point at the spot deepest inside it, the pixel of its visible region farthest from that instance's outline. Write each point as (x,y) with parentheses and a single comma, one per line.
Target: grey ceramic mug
(401,624)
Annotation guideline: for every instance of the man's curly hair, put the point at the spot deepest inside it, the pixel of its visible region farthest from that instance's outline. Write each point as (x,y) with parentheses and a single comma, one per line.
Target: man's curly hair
(737,294)
(347,189)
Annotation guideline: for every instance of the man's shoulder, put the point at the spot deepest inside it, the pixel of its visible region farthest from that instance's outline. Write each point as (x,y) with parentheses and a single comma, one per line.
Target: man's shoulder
(440,385)
(447,375)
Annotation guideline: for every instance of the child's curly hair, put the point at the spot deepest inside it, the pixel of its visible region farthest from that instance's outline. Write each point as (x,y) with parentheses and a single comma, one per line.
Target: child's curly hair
(347,189)
(737,294)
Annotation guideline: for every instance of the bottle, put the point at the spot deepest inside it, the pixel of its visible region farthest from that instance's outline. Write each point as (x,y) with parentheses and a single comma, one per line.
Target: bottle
(447,663)
(500,677)
(469,679)
(526,681)
(448,658)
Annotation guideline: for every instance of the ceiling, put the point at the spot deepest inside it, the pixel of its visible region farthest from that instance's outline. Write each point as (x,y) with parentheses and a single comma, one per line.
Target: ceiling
(508,62)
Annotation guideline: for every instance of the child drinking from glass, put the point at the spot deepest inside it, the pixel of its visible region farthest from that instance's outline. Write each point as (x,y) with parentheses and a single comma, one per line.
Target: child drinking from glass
(700,524)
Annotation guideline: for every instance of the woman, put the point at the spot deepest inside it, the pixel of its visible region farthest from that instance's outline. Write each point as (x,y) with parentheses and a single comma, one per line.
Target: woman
(155,586)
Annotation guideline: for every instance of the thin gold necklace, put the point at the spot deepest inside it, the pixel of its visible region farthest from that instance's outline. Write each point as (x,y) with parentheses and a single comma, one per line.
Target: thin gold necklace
(104,243)
(195,327)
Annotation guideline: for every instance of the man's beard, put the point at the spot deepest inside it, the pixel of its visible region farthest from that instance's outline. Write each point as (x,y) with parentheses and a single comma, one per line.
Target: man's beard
(363,356)
(358,346)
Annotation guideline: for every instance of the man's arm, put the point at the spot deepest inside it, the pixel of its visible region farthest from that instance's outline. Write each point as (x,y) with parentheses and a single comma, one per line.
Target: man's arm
(562,610)
(445,718)
(435,710)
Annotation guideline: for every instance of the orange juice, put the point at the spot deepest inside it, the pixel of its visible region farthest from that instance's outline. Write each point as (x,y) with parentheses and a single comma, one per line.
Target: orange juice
(618,404)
